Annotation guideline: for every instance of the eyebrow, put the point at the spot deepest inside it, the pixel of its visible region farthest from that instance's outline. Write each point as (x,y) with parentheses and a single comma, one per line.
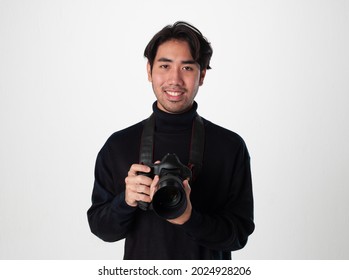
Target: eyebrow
(164,59)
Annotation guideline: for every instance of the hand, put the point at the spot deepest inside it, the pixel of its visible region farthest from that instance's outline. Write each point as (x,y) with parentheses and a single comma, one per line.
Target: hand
(139,187)
(187,213)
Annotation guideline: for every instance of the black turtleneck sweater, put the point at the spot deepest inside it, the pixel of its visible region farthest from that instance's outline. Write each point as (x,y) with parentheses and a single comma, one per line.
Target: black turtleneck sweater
(221,196)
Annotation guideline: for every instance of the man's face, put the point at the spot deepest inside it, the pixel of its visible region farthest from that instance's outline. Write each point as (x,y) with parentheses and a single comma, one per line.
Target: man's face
(175,77)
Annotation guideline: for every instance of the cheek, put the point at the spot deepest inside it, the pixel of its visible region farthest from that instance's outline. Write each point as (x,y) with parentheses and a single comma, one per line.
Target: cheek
(193,82)
(158,80)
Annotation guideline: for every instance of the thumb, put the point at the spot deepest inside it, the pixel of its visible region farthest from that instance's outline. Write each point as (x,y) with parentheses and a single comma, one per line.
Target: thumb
(187,188)
(154,186)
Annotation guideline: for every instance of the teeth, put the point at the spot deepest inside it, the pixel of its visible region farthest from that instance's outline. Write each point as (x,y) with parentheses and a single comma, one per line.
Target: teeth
(173,93)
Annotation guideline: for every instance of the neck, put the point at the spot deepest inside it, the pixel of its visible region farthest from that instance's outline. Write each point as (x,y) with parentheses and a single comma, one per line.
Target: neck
(166,122)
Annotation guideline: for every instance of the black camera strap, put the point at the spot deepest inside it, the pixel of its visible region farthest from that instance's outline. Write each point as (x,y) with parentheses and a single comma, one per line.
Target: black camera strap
(196,146)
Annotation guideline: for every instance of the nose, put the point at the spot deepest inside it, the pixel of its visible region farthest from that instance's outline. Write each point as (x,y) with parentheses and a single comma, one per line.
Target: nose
(175,76)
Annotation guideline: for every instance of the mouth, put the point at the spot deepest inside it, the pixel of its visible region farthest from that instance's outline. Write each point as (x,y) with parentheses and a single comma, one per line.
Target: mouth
(174,95)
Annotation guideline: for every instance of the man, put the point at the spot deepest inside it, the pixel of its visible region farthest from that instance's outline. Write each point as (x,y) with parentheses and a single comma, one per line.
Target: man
(218,217)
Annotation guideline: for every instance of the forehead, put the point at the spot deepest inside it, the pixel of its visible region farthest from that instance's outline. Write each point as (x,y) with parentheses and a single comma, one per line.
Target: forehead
(174,49)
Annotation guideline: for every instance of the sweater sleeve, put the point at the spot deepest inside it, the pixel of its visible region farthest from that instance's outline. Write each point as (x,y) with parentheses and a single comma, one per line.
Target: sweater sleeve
(109,216)
(228,228)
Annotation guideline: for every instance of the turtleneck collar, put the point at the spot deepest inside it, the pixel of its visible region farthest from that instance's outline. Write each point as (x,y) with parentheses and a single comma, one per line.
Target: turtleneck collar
(166,122)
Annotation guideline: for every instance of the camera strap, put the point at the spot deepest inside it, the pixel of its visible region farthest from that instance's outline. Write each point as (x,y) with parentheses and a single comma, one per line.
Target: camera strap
(196,145)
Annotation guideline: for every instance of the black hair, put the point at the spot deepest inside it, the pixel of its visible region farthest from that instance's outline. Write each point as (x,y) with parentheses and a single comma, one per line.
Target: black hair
(200,48)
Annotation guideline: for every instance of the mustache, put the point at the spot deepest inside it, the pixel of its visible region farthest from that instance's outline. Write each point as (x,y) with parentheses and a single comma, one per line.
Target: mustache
(182,89)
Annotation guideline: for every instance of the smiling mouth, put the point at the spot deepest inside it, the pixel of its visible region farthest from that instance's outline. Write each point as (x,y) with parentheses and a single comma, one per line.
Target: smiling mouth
(174,93)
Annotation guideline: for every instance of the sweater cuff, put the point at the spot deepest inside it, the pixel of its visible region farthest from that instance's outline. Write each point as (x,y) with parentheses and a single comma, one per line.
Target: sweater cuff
(120,206)
(194,222)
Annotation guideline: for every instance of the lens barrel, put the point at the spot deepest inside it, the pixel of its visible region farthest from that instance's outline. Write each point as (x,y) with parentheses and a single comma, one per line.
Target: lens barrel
(170,200)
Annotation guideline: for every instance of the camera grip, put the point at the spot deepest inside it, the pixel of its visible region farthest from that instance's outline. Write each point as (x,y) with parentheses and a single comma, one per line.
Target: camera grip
(141,204)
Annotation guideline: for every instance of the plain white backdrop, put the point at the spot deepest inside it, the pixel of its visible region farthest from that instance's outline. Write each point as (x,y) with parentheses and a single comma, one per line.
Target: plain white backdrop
(72,72)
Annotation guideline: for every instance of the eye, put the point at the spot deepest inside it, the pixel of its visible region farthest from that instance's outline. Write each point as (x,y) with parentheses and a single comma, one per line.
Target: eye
(188,68)
(164,66)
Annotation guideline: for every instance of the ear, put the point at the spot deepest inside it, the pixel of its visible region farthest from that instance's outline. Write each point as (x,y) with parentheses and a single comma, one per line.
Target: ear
(149,72)
(202,77)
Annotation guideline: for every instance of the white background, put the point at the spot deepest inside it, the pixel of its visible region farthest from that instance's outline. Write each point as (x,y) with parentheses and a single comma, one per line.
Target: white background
(72,72)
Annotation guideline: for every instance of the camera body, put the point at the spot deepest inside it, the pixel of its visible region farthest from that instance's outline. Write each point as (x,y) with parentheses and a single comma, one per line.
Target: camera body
(169,201)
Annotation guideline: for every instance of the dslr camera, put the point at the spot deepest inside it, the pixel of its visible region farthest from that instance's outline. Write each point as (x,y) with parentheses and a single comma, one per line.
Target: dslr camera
(169,201)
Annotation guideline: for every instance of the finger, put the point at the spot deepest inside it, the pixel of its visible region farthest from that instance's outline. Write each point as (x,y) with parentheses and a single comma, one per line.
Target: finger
(187,187)
(142,197)
(142,189)
(135,168)
(186,183)
(133,194)
(136,193)
(138,185)
(154,186)
(138,180)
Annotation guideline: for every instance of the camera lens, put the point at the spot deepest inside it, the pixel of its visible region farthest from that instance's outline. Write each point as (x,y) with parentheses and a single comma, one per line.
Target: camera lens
(168,197)
(170,201)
